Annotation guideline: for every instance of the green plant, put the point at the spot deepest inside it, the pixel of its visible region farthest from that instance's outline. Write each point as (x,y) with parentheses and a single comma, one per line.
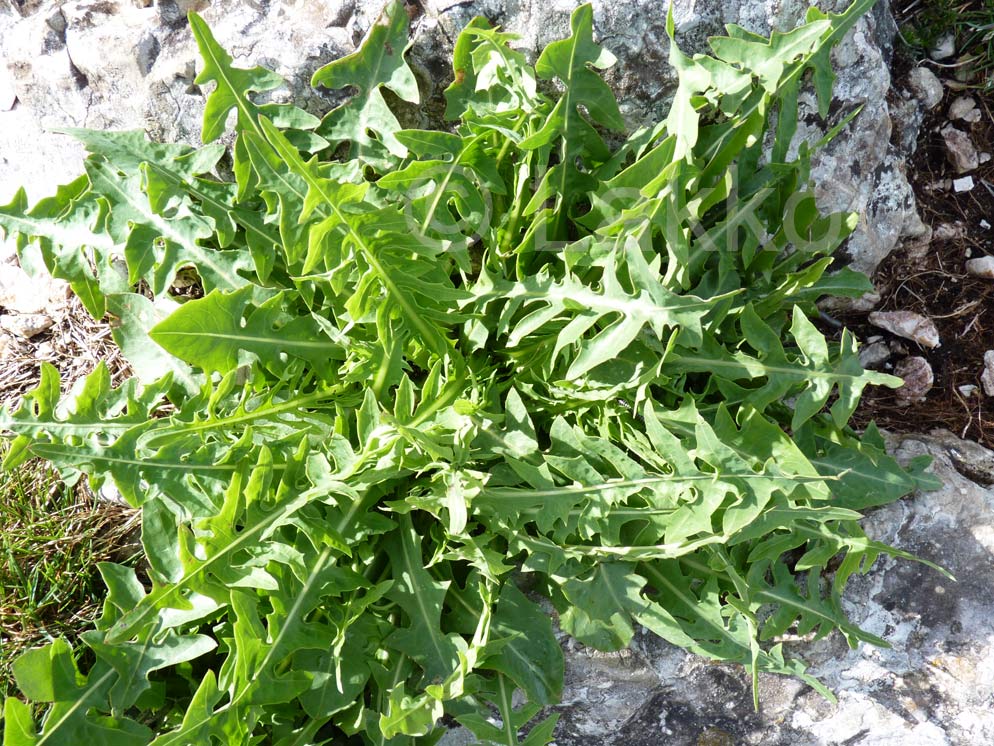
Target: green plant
(443,367)
(928,22)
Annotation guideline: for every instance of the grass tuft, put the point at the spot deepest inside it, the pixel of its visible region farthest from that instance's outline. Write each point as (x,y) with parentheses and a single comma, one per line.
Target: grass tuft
(51,538)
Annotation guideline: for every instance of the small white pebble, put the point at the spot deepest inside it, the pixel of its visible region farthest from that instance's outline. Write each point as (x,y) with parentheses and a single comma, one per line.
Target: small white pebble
(981,267)
(961,107)
(964,184)
(987,376)
(985,225)
(944,48)
(874,354)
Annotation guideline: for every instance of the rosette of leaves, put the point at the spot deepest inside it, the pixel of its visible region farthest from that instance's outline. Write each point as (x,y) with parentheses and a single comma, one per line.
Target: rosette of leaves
(436,376)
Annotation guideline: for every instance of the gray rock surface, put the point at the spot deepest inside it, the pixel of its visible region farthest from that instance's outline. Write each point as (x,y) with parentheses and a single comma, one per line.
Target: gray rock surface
(907,325)
(944,48)
(918,379)
(960,149)
(874,354)
(965,108)
(26,325)
(122,64)
(926,86)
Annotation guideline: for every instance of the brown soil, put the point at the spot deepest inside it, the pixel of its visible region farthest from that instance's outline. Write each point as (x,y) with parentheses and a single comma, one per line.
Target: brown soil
(931,279)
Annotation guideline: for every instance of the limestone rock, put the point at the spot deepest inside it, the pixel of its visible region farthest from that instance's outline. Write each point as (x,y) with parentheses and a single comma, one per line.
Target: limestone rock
(944,48)
(918,379)
(21,293)
(26,325)
(960,149)
(874,355)
(965,108)
(964,184)
(987,376)
(146,52)
(17,291)
(8,97)
(907,325)
(926,87)
(185,6)
(907,115)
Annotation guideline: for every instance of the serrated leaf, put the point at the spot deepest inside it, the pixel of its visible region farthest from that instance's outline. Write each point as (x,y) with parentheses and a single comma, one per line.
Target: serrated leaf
(157,247)
(573,61)
(233,84)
